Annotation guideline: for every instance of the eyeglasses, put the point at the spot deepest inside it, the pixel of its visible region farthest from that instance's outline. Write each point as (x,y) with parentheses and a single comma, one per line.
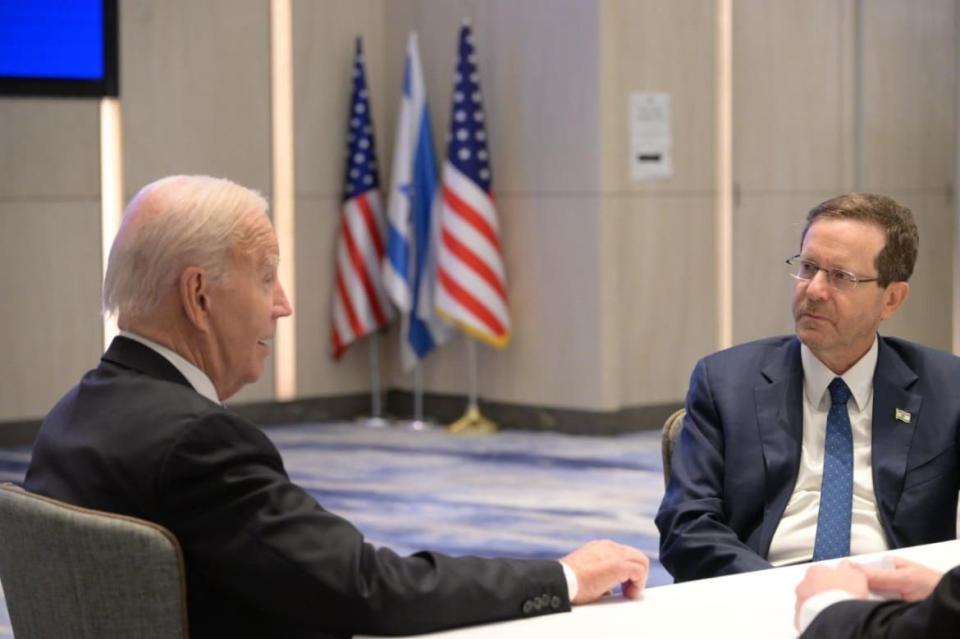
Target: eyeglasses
(837,278)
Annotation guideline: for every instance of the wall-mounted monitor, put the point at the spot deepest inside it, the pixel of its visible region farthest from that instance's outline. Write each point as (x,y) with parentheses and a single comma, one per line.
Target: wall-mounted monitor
(59,48)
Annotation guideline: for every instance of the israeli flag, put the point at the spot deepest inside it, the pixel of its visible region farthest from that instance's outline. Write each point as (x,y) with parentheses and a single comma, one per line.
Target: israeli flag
(409,270)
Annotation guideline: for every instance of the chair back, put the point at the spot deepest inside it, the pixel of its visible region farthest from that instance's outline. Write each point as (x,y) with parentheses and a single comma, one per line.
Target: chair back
(71,572)
(671,431)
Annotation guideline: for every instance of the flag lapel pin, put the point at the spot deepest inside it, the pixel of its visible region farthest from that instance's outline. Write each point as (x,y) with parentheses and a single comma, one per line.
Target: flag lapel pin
(902,416)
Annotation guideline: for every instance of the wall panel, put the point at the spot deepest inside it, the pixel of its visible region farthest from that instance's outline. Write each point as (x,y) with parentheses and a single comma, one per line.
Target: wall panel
(195,86)
(651,45)
(51,149)
(50,284)
(793,96)
(659,249)
(665,300)
(909,82)
(538,63)
(49,250)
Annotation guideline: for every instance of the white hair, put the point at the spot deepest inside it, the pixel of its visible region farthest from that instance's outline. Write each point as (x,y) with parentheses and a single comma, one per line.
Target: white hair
(173,223)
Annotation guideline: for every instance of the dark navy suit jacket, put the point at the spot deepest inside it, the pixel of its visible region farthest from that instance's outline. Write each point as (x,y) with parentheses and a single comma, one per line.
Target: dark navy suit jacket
(263,558)
(736,461)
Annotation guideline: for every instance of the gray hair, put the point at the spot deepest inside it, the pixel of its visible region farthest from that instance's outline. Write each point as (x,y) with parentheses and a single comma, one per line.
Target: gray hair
(173,223)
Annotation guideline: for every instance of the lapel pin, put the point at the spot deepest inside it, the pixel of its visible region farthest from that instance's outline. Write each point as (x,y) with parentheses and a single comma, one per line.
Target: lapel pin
(902,416)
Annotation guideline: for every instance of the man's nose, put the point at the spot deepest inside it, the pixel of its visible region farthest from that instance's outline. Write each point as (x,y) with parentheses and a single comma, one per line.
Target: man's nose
(818,286)
(281,305)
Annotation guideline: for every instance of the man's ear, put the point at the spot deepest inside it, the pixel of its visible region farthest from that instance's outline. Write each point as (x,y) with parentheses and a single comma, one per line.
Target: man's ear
(193,289)
(893,297)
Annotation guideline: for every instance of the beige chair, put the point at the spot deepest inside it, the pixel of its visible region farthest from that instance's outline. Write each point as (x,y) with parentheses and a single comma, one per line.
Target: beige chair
(70,572)
(671,431)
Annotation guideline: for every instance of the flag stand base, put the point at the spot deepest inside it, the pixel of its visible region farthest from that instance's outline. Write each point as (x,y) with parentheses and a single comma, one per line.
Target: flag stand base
(416,424)
(373,422)
(473,423)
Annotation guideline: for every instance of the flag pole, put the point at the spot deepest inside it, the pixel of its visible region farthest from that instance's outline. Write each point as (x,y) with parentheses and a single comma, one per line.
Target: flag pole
(376,419)
(472,421)
(375,377)
(417,393)
(419,422)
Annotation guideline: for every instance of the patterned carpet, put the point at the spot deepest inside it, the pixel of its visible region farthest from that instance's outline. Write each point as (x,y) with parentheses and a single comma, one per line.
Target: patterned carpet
(517,493)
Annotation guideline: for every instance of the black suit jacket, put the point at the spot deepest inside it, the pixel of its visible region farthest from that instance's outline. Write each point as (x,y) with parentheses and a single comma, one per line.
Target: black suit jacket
(263,558)
(737,459)
(936,617)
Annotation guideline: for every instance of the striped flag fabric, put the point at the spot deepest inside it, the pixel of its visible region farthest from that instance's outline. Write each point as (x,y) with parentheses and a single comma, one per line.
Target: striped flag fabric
(409,272)
(471,282)
(360,303)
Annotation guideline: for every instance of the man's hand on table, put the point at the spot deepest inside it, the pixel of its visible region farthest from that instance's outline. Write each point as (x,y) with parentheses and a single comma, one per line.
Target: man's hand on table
(905,580)
(601,565)
(846,576)
(901,579)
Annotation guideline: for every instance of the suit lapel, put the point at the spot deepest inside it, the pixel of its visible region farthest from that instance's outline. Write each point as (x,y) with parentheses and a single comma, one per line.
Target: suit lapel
(891,437)
(779,405)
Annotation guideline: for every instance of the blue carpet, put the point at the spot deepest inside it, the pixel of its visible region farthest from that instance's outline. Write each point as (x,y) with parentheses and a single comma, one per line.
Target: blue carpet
(517,493)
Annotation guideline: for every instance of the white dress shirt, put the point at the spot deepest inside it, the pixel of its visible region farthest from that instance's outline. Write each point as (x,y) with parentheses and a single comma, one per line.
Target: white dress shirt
(794,538)
(197,378)
(817,604)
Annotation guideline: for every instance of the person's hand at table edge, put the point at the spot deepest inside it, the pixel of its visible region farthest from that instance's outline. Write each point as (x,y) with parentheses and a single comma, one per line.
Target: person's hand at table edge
(846,577)
(600,565)
(907,580)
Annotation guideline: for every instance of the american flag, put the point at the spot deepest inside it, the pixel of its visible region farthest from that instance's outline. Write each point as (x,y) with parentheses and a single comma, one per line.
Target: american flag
(360,305)
(471,283)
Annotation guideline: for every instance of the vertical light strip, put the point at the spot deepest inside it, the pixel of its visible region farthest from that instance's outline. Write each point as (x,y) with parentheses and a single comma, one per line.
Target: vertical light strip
(724,205)
(955,191)
(281,98)
(111,191)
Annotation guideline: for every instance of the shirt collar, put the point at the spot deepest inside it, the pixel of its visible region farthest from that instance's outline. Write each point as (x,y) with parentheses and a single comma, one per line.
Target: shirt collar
(197,378)
(858,378)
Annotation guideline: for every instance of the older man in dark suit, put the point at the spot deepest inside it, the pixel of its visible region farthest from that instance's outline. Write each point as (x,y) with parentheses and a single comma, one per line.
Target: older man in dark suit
(832,442)
(192,277)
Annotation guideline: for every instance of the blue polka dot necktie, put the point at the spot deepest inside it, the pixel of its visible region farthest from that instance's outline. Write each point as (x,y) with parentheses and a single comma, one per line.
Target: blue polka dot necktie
(836,489)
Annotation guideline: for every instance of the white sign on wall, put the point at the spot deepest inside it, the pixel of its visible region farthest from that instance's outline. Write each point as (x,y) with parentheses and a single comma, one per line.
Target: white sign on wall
(651,141)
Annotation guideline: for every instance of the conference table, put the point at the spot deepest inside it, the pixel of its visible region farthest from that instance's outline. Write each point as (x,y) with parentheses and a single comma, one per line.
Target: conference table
(750,605)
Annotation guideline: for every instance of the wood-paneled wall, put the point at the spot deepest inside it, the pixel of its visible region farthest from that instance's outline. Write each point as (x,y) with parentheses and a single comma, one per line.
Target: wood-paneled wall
(612,283)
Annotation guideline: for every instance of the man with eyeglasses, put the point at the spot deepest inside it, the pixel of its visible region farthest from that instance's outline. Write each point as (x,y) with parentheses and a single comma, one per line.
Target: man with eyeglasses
(828,443)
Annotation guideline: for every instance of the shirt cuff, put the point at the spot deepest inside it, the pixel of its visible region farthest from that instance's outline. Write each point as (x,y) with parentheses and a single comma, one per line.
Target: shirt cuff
(572,584)
(817,603)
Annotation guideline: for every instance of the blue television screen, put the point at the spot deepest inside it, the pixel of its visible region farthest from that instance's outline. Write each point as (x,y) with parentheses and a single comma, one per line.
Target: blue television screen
(58,47)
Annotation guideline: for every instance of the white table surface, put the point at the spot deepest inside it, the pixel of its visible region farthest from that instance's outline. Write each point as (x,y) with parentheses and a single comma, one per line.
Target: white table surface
(757,604)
